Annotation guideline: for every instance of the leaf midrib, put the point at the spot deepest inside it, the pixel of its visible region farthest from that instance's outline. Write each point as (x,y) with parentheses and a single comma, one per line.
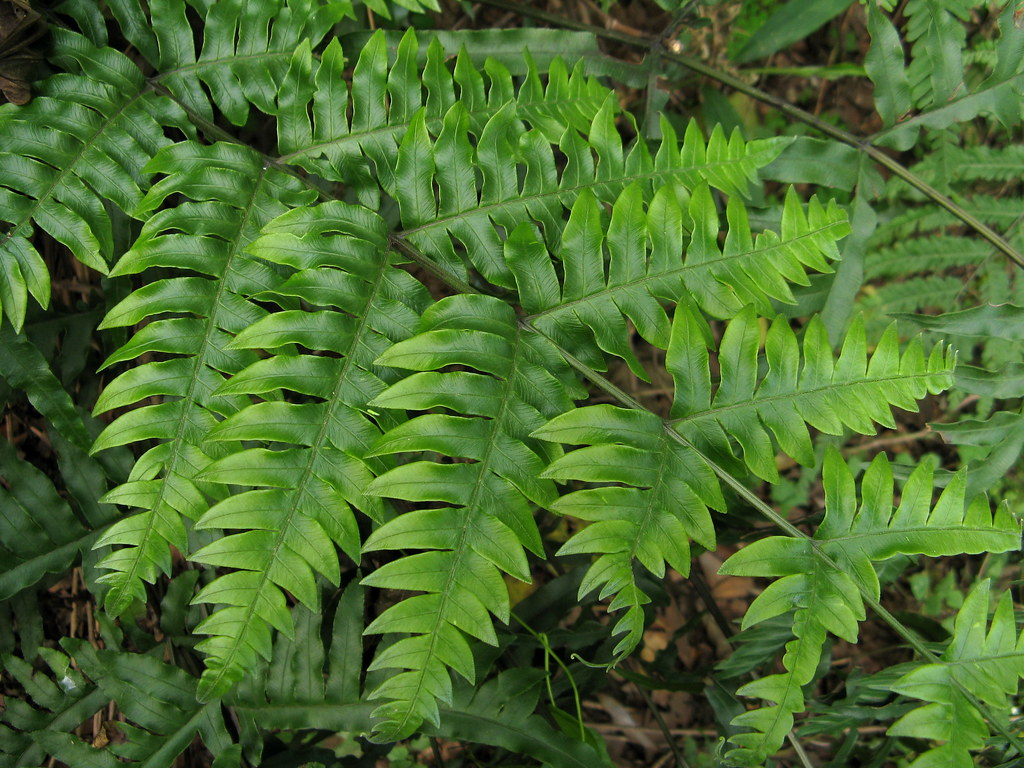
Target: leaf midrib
(312,453)
(651,277)
(924,529)
(754,401)
(460,548)
(171,467)
(522,200)
(68,169)
(221,62)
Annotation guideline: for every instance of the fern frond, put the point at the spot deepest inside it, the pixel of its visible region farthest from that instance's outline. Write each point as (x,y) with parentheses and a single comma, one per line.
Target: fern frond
(33,544)
(984,658)
(824,578)
(459,215)
(646,264)
(338,258)
(385,7)
(884,64)
(386,97)
(660,501)
(246,49)
(851,392)
(935,30)
(665,488)
(880,304)
(999,212)
(500,713)
(229,195)
(1002,212)
(24,368)
(296,675)
(102,126)
(314,678)
(968,164)
(522,181)
(516,382)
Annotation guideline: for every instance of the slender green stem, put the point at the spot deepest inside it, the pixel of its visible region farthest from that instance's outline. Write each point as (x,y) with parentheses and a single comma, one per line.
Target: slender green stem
(861,144)
(794,742)
(542,638)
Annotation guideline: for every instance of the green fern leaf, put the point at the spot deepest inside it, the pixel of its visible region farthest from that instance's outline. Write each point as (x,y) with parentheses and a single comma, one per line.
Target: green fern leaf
(926,241)
(823,579)
(967,164)
(936,73)
(103,126)
(393,119)
(34,544)
(852,392)
(936,32)
(230,195)
(500,713)
(363,150)
(521,179)
(158,701)
(131,18)
(48,543)
(338,258)
(23,367)
(589,315)
(660,502)
(515,383)
(314,678)
(909,296)
(932,254)
(987,663)
(297,673)
(385,7)
(246,49)
(885,66)
(665,488)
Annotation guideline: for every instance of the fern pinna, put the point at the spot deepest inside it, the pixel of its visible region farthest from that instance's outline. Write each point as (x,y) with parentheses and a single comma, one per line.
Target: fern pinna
(376,349)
